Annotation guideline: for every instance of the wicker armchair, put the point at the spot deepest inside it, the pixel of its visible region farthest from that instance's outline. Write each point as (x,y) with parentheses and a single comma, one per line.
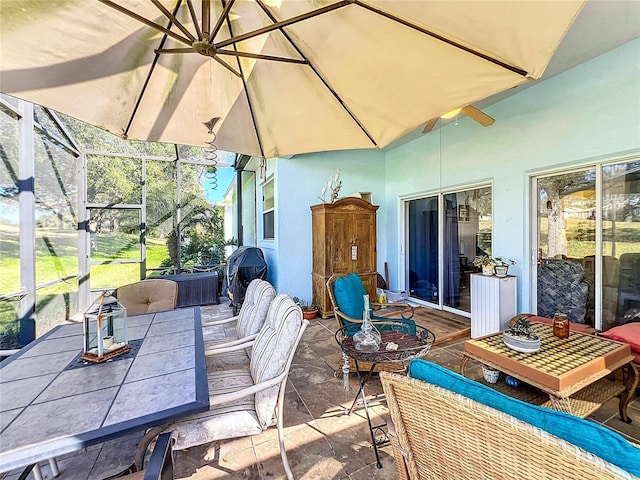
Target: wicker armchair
(439,434)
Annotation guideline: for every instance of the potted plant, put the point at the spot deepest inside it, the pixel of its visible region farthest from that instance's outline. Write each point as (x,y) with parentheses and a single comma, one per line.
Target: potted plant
(486,262)
(309,312)
(501,265)
(521,335)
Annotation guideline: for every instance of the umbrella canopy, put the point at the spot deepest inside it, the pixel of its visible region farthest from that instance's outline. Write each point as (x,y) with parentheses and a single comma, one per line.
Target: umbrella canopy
(281,76)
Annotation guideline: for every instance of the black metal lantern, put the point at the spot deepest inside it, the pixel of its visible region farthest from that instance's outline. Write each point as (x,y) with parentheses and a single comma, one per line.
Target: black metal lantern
(105,329)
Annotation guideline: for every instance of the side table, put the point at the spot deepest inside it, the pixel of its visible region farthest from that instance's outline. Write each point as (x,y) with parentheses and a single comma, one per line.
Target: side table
(409,347)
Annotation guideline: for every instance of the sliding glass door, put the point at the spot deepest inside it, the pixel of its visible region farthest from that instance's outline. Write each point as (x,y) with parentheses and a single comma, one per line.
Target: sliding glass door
(588,244)
(444,234)
(422,249)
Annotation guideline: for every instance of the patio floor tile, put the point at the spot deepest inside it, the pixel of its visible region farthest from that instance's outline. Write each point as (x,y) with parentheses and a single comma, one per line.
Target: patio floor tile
(323,443)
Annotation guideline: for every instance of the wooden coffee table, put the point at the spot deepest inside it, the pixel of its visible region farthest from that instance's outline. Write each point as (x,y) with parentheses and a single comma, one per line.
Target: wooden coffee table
(570,371)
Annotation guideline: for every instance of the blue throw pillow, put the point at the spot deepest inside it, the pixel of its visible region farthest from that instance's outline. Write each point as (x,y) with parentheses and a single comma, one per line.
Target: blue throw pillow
(590,436)
(349,293)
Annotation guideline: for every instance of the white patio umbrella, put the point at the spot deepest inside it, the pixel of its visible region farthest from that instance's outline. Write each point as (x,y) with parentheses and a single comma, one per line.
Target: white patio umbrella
(282,76)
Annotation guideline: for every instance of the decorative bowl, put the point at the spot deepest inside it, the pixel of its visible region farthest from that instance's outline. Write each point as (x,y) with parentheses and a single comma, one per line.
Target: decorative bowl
(520,344)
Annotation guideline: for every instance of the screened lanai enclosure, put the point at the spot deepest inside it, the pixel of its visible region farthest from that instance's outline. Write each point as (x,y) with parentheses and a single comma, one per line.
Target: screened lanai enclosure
(82,211)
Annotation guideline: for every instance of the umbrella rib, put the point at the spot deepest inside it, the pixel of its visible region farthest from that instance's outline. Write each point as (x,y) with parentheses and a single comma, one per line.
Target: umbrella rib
(317,73)
(206,17)
(172,17)
(227,66)
(141,19)
(284,23)
(221,19)
(246,93)
(194,17)
(148,79)
(174,50)
(261,57)
(406,23)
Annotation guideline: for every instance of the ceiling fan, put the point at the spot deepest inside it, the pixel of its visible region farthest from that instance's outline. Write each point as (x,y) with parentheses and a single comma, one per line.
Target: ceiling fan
(469,110)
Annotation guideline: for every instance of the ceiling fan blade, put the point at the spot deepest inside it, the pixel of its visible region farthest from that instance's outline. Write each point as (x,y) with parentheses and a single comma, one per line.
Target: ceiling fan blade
(430,124)
(478,115)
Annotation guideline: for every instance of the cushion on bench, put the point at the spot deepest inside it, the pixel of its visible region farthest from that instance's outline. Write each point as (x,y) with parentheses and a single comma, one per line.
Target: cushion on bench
(627,333)
(587,435)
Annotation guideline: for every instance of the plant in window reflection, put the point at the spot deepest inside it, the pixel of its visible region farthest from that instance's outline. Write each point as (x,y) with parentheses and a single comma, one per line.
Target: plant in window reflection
(202,239)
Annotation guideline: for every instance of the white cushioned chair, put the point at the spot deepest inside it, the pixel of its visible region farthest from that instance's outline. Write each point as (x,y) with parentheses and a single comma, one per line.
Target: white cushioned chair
(247,399)
(160,465)
(147,296)
(242,328)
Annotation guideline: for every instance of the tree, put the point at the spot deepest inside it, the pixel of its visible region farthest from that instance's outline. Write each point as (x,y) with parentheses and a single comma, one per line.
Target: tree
(119,179)
(554,189)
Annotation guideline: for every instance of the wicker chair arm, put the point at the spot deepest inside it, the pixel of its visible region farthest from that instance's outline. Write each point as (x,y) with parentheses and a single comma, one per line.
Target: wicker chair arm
(342,316)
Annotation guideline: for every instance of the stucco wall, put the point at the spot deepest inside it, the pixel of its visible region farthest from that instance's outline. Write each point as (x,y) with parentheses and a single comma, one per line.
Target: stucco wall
(588,114)
(300,182)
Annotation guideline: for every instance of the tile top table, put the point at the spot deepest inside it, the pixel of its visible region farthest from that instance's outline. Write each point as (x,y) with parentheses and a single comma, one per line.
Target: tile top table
(571,371)
(52,403)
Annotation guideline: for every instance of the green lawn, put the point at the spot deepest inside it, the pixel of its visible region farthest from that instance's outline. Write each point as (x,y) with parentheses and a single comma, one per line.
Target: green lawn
(56,257)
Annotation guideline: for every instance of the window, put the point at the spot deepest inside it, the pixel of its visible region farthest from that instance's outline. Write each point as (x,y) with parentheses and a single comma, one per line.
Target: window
(268,211)
(588,246)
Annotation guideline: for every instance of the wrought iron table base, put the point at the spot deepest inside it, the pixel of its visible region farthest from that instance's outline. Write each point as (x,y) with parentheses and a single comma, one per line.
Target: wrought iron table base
(376,440)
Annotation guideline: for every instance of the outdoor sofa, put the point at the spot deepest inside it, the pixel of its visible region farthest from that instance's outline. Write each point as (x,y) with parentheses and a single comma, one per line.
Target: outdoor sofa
(445,426)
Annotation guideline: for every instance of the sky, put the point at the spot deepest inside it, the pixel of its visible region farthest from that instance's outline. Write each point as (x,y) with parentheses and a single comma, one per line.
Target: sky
(225,175)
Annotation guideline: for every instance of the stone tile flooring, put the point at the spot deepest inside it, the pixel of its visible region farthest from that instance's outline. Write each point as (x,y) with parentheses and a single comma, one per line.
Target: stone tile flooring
(322,442)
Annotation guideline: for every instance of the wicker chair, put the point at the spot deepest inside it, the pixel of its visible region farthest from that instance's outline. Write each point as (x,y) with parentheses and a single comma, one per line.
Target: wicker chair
(344,316)
(439,434)
(562,288)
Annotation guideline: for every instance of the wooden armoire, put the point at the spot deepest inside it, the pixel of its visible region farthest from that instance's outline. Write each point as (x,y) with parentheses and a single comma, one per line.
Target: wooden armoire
(344,241)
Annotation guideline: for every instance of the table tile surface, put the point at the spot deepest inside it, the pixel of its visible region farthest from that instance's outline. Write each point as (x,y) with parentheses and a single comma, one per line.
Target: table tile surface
(35,366)
(51,405)
(68,416)
(170,391)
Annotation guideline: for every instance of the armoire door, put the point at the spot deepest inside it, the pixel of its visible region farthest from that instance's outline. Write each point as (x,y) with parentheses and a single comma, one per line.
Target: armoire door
(364,238)
(339,243)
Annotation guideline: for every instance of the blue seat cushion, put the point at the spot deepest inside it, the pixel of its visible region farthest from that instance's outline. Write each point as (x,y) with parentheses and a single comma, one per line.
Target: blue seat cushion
(587,435)
(349,292)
